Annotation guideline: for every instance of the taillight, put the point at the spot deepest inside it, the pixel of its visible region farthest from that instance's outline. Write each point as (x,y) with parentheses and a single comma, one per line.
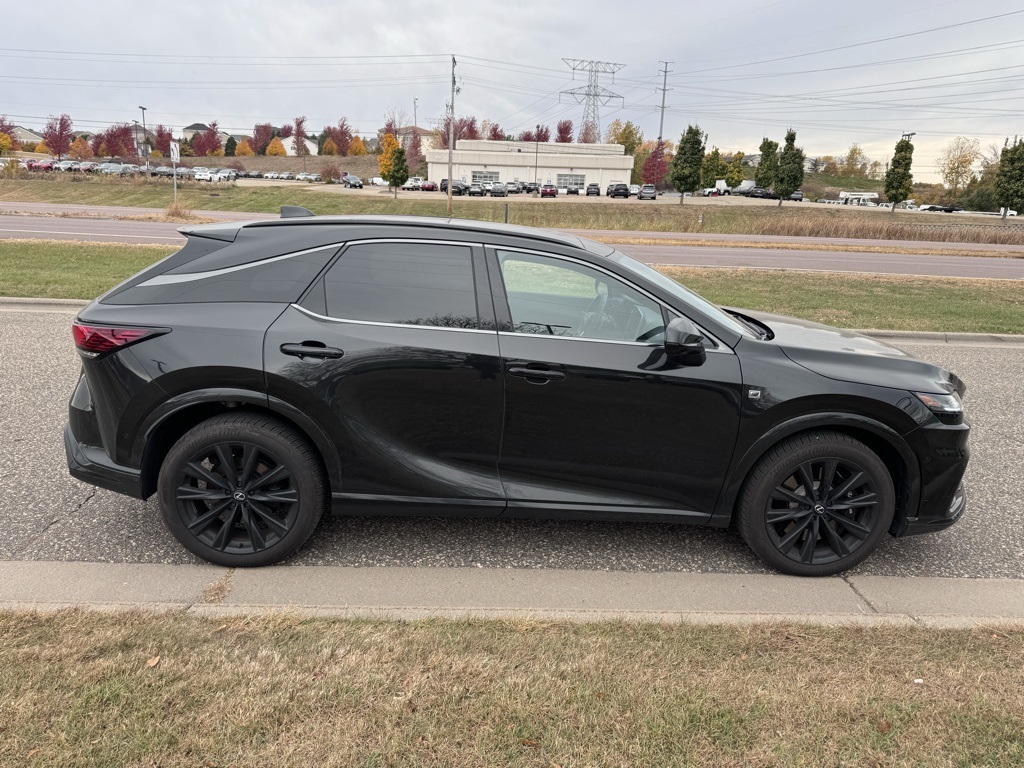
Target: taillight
(95,340)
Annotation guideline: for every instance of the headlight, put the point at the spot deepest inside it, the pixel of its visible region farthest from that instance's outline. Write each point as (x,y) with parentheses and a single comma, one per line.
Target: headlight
(941,404)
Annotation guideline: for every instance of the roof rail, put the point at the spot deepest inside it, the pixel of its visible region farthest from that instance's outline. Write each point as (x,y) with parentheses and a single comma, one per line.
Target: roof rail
(294,211)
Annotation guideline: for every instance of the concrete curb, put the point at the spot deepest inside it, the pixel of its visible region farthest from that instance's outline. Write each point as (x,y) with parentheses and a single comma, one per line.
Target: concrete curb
(19,304)
(511,594)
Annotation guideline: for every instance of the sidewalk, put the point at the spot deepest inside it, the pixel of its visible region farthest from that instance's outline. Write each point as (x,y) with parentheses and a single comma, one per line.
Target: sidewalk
(415,593)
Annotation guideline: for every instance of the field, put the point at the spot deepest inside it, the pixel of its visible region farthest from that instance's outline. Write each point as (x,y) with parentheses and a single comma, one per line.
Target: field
(793,219)
(71,270)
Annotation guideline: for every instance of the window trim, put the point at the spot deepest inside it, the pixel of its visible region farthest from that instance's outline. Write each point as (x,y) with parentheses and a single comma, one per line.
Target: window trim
(379,323)
(719,346)
(187,277)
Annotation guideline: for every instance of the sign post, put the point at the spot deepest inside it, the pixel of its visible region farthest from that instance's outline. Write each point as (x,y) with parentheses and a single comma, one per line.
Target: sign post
(175,157)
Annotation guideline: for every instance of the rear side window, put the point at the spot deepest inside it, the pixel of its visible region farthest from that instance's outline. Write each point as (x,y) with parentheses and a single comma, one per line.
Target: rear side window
(404,283)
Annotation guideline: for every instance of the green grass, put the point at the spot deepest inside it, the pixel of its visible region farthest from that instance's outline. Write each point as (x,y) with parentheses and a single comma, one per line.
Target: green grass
(792,219)
(87,689)
(73,270)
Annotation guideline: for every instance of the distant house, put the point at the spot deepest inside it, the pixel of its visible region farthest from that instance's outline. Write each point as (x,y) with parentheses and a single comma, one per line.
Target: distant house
(289,146)
(28,138)
(811,164)
(752,160)
(427,137)
(191,130)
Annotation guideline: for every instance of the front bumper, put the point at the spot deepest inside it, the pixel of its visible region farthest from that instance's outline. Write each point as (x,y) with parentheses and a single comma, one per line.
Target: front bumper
(953,512)
(91,465)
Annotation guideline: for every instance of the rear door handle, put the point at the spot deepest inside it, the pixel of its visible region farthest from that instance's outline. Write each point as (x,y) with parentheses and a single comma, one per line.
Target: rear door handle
(536,375)
(315,349)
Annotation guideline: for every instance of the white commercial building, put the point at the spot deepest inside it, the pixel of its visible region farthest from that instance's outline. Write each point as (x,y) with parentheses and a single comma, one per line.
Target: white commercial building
(565,165)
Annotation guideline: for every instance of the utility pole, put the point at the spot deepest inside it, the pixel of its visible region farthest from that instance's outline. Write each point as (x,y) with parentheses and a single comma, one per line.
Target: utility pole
(144,137)
(664,89)
(414,101)
(451,137)
(536,158)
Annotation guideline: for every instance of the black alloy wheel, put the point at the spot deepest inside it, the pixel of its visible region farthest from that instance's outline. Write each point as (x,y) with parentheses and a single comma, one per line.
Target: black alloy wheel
(817,504)
(241,490)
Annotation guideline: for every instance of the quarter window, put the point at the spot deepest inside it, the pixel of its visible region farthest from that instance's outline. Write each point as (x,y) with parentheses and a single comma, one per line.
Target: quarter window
(407,283)
(553,297)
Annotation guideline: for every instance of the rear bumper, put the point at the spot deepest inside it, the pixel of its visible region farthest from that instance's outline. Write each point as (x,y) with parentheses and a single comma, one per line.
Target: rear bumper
(91,465)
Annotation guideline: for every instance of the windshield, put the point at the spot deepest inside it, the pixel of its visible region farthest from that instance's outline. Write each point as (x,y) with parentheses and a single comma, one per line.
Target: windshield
(684,294)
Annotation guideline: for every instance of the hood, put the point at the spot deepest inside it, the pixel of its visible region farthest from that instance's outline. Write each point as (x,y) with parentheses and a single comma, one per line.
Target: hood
(844,355)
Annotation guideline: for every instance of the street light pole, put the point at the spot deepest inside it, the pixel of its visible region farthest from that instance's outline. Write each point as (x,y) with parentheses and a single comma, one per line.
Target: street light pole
(536,157)
(144,139)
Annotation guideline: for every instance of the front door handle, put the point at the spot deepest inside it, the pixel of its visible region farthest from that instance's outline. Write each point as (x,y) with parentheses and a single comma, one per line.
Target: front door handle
(536,375)
(315,349)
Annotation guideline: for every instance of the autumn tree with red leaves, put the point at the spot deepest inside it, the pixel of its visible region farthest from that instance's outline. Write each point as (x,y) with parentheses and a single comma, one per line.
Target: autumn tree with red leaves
(527,136)
(543,134)
(588,134)
(465,128)
(415,148)
(656,166)
(262,133)
(162,138)
(563,132)
(7,127)
(285,132)
(341,135)
(58,135)
(495,133)
(207,143)
(299,137)
(116,141)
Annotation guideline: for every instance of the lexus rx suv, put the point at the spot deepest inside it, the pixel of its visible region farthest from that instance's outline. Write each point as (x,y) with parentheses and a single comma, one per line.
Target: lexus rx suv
(271,371)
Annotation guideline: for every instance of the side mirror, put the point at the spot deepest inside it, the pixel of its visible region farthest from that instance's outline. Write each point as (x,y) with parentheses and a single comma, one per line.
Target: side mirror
(683,343)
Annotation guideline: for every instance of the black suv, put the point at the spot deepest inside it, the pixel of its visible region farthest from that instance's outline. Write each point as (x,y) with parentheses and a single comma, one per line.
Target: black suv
(618,190)
(272,370)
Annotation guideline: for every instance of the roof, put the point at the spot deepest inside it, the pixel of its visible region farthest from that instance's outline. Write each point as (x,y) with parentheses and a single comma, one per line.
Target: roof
(469,225)
(196,127)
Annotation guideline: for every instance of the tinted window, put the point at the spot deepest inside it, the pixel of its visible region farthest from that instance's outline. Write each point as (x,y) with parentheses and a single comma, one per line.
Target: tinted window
(409,283)
(553,297)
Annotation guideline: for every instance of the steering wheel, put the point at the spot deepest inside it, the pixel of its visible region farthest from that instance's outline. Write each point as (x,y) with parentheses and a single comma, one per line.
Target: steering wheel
(593,316)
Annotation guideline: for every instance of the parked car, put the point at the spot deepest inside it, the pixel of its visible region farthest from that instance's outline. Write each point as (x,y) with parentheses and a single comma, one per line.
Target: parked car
(593,190)
(618,190)
(513,187)
(634,190)
(130,169)
(549,190)
(411,185)
(65,165)
(111,169)
(225,174)
(476,190)
(353,182)
(498,190)
(530,186)
(647,192)
(302,176)
(377,181)
(310,376)
(88,166)
(459,188)
(287,176)
(45,165)
(203,174)
(428,186)
(271,175)
(763,193)
(797,196)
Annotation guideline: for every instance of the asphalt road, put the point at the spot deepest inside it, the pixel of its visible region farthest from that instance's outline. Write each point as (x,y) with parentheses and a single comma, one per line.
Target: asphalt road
(46,515)
(163,233)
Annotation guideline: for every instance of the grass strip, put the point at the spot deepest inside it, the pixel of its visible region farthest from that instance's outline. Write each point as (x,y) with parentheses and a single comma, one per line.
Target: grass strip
(85,689)
(797,219)
(63,269)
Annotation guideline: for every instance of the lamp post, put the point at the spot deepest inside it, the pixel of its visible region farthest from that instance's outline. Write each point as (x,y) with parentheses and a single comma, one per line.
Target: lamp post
(536,158)
(144,138)
(909,136)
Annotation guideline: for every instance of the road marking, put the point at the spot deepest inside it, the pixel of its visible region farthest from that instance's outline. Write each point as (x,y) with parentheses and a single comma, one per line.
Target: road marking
(91,234)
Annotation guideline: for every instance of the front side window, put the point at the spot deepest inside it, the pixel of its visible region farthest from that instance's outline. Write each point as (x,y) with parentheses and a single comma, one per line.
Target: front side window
(404,283)
(554,297)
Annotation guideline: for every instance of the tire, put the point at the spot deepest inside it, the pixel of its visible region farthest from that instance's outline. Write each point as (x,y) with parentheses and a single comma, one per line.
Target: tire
(258,513)
(790,515)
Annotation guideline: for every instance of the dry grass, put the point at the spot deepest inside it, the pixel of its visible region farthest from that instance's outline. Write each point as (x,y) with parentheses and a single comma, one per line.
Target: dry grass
(80,689)
(174,214)
(625,239)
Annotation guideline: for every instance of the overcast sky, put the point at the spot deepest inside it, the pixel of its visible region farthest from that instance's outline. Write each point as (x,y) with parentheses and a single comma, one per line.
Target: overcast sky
(836,72)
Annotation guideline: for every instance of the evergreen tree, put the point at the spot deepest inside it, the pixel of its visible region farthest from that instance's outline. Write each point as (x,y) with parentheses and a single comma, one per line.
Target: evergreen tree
(768,168)
(1010,178)
(898,179)
(687,162)
(230,146)
(734,175)
(790,174)
(398,172)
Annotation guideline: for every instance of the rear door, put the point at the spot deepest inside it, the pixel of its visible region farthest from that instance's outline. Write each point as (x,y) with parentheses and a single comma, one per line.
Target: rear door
(394,352)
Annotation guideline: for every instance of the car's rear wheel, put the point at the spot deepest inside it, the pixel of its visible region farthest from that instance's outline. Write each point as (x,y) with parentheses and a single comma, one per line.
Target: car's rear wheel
(817,504)
(241,490)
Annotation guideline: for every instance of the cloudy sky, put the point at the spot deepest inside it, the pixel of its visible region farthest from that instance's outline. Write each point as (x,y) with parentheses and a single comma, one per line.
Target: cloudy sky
(837,72)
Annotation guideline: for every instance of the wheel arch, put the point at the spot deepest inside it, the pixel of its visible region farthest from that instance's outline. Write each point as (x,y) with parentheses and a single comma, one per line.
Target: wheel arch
(884,441)
(176,416)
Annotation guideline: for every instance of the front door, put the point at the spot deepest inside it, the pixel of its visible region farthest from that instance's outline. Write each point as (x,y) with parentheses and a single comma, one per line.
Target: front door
(597,420)
(393,351)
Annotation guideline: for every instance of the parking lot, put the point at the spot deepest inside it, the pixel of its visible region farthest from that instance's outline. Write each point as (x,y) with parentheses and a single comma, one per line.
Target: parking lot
(49,516)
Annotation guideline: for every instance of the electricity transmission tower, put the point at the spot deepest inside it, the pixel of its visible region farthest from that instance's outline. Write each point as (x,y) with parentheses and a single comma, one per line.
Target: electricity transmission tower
(593,95)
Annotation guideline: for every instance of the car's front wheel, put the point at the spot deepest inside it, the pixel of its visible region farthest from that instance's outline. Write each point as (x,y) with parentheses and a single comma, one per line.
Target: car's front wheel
(241,490)
(816,504)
